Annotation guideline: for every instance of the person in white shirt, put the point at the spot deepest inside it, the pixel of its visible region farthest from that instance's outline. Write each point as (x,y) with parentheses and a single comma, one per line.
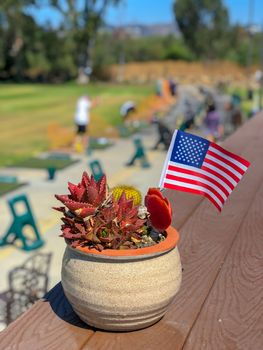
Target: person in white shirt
(82,120)
(82,115)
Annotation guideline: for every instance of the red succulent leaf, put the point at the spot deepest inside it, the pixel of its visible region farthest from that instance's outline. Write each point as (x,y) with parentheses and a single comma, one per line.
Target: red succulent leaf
(62,209)
(102,187)
(62,198)
(160,212)
(72,189)
(81,228)
(93,196)
(92,182)
(85,181)
(125,206)
(99,247)
(122,200)
(73,205)
(109,214)
(84,212)
(80,193)
(132,213)
(68,221)
(75,244)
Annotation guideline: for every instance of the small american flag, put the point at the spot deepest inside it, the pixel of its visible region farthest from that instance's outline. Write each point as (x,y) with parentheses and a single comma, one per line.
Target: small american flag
(194,164)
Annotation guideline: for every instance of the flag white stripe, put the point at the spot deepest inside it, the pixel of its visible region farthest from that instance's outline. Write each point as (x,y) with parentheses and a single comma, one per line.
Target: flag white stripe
(201,171)
(199,179)
(206,173)
(226,166)
(195,187)
(212,167)
(234,161)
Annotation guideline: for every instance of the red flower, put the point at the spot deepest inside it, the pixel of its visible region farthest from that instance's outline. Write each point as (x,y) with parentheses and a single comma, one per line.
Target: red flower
(159,208)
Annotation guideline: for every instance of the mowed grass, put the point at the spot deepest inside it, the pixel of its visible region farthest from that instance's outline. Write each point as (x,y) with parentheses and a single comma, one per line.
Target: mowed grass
(27,110)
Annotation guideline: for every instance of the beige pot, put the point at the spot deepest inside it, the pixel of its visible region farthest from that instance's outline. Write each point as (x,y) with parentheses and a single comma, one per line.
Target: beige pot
(122,290)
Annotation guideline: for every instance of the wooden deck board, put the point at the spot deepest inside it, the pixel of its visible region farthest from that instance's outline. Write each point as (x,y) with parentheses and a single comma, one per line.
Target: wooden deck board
(232,316)
(48,325)
(212,245)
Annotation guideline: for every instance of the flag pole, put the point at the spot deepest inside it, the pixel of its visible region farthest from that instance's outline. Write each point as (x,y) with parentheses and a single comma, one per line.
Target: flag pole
(168,156)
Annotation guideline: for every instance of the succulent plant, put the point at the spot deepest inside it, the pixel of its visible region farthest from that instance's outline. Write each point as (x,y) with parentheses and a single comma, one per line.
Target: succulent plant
(92,217)
(86,197)
(95,218)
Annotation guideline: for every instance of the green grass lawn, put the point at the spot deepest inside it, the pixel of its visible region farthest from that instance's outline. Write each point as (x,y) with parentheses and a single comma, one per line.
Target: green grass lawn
(39,163)
(27,110)
(8,187)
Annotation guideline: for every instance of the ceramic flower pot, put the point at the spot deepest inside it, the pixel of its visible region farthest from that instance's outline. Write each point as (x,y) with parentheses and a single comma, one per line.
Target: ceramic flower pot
(122,290)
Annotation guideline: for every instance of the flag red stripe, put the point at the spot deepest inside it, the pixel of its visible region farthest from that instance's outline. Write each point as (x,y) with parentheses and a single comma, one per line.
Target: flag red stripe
(221,177)
(234,166)
(205,177)
(198,183)
(230,154)
(209,161)
(191,190)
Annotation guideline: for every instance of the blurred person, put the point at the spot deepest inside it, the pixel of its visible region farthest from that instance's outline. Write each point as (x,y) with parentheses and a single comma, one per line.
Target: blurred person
(235,100)
(127,109)
(82,120)
(159,87)
(236,118)
(213,127)
(250,93)
(189,117)
(166,88)
(165,135)
(172,87)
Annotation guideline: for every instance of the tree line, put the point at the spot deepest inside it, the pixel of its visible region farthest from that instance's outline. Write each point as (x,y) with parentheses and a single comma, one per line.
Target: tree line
(48,53)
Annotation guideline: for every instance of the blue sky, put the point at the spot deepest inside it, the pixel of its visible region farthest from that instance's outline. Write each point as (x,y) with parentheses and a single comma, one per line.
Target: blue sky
(152,11)
(157,11)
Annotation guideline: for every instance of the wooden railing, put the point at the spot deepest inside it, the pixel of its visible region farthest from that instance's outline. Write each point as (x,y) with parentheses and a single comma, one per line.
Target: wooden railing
(219,306)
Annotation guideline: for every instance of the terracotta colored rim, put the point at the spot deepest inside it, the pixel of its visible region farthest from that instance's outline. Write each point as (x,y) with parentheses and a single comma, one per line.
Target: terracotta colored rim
(169,243)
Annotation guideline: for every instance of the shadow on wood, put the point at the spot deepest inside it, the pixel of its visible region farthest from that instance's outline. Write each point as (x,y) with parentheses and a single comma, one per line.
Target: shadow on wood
(62,308)
(26,284)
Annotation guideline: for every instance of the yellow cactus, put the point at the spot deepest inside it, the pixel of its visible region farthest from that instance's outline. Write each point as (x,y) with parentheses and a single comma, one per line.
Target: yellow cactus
(131,192)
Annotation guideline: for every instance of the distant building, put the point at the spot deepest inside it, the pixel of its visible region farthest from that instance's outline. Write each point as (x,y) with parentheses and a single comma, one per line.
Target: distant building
(143,30)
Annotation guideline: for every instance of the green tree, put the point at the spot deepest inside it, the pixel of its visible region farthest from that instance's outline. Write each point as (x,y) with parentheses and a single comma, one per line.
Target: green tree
(82,20)
(204,25)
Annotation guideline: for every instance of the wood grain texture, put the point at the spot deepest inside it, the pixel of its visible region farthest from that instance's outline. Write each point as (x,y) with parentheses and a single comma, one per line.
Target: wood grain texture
(206,238)
(50,324)
(232,316)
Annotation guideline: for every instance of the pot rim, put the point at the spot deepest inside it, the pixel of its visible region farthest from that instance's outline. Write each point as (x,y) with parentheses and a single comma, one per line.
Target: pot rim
(169,243)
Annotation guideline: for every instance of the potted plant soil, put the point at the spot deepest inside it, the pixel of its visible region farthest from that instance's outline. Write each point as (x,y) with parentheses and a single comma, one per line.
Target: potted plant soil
(121,268)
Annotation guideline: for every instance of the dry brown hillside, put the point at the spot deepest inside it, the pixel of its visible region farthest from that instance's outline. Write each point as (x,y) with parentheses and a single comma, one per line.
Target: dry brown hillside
(184,72)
